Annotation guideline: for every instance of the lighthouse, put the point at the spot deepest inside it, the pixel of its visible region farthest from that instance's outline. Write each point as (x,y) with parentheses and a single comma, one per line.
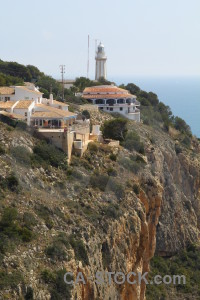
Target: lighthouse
(100,63)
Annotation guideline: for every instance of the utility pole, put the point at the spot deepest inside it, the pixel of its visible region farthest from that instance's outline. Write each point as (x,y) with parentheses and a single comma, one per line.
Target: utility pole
(62,70)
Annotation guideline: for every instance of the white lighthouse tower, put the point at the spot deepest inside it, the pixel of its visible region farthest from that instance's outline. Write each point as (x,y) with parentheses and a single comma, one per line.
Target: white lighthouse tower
(100,63)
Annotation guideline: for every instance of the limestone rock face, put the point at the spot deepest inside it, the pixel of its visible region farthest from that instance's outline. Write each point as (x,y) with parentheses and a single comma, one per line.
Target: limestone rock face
(127,247)
(119,234)
(179,221)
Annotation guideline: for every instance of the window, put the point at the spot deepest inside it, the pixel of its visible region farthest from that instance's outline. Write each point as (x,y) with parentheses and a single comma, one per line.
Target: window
(107,108)
(111,108)
(121,108)
(7,98)
(25,114)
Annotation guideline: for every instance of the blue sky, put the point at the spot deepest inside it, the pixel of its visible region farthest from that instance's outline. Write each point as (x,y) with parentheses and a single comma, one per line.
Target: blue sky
(141,37)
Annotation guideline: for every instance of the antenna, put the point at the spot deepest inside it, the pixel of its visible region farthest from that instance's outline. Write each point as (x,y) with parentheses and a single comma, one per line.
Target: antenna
(88,62)
(62,70)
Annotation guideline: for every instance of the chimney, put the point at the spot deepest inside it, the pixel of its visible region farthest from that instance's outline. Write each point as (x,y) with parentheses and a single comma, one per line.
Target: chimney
(51,98)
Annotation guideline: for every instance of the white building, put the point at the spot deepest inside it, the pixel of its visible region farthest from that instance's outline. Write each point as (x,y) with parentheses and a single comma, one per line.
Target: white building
(101,71)
(15,93)
(111,99)
(26,103)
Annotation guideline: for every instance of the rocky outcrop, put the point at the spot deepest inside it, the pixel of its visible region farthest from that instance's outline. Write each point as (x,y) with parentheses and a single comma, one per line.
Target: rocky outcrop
(119,235)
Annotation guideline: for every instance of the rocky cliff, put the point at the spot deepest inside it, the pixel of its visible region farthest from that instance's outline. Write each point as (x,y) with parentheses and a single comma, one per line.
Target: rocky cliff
(108,211)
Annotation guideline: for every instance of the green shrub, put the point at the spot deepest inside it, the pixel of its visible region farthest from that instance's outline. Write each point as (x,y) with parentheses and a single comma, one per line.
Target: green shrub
(11,280)
(130,165)
(47,276)
(2,150)
(79,249)
(45,213)
(182,126)
(186,141)
(187,263)
(56,252)
(178,149)
(11,228)
(29,220)
(111,172)
(21,154)
(117,188)
(59,289)
(92,147)
(48,154)
(132,142)
(106,255)
(115,129)
(103,182)
(99,181)
(86,114)
(136,189)
(29,293)
(112,211)
(10,182)
(113,157)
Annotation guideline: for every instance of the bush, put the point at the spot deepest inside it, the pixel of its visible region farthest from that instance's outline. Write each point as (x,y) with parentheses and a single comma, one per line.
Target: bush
(21,154)
(132,142)
(136,189)
(86,114)
(11,280)
(79,249)
(2,150)
(115,129)
(186,141)
(99,181)
(92,147)
(48,154)
(48,276)
(57,250)
(29,220)
(130,165)
(182,126)
(178,149)
(111,172)
(10,226)
(59,289)
(113,157)
(12,182)
(112,211)
(45,213)
(29,293)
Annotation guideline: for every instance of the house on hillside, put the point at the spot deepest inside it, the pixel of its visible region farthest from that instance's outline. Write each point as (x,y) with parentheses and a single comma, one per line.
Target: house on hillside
(49,117)
(112,99)
(14,93)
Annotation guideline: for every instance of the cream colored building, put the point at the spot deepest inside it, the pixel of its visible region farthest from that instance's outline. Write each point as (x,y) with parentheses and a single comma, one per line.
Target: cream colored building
(112,99)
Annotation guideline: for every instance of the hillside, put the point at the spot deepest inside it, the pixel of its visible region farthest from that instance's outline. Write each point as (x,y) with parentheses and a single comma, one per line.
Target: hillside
(103,212)
(131,208)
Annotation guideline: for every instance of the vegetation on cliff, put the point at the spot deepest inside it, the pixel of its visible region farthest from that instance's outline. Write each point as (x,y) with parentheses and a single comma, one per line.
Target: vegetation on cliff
(104,210)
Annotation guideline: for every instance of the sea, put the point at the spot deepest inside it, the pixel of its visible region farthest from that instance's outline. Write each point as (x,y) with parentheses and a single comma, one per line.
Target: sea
(181,94)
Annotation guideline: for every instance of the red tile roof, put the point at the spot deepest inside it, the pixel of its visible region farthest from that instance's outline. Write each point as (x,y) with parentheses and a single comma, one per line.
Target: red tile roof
(105,92)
